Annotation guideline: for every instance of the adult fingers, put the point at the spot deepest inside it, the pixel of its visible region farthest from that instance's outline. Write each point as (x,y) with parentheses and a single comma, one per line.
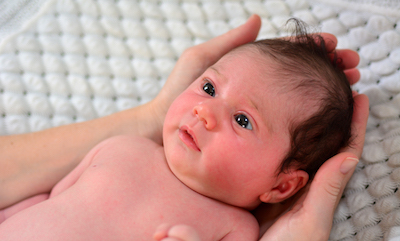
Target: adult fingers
(349,58)
(196,59)
(327,187)
(354,150)
(358,126)
(330,41)
(352,75)
(222,44)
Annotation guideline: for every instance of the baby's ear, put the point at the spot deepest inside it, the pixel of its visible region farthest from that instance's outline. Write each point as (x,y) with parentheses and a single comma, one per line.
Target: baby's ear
(287,184)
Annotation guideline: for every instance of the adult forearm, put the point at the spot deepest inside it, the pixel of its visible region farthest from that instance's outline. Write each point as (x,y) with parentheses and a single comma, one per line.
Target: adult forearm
(33,163)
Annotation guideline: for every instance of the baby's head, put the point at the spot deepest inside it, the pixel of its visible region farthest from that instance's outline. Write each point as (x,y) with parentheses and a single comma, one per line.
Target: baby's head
(322,106)
(257,124)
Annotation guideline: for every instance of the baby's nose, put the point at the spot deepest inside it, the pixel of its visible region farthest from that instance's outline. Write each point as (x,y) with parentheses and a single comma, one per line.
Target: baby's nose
(206,115)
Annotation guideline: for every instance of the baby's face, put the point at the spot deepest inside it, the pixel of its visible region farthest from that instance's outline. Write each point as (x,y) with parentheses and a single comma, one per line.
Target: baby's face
(226,134)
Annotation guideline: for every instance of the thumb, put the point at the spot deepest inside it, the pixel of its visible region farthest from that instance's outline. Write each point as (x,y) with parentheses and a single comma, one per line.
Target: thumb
(327,187)
(202,56)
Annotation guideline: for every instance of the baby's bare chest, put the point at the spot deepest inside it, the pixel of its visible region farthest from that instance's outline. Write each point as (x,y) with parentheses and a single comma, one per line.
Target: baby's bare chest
(124,189)
(124,194)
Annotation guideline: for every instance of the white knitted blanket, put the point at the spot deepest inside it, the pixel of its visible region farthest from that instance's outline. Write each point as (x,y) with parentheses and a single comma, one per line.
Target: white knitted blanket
(64,61)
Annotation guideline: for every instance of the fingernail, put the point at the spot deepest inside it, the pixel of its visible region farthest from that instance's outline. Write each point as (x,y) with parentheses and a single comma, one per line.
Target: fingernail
(348,164)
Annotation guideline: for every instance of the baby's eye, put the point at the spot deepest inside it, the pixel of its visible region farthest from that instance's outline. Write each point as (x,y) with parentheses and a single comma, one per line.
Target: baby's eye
(243,121)
(209,89)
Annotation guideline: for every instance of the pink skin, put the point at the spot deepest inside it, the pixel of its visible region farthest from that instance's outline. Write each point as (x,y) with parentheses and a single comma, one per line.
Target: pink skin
(212,154)
(180,232)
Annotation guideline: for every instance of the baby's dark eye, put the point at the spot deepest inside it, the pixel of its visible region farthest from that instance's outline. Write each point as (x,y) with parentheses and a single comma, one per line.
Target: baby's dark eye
(243,121)
(209,89)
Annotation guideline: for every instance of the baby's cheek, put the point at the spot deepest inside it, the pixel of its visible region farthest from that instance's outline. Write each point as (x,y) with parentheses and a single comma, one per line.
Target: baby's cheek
(221,172)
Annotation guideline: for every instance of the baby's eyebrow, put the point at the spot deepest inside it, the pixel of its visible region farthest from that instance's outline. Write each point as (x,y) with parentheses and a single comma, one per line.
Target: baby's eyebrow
(222,78)
(215,70)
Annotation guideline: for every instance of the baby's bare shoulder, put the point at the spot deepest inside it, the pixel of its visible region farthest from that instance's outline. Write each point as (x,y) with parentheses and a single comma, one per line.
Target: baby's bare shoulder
(131,142)
(130,139)
(127,147)
(245,226)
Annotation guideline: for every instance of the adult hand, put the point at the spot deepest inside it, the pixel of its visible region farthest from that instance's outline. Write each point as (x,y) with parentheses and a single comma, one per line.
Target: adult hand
(310,218)
(347,59)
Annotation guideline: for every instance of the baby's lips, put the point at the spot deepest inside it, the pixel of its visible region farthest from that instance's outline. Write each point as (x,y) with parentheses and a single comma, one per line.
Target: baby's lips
(188,137)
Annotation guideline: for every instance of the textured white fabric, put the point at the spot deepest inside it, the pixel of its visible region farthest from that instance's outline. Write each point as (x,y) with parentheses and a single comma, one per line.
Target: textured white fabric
(15,13)
(74,60)
(382,7)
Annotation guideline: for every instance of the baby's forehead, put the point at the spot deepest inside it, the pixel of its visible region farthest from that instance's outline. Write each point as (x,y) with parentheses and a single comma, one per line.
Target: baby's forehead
(278,88)
(259,81)
(250,53)
(249,49)
(259,65)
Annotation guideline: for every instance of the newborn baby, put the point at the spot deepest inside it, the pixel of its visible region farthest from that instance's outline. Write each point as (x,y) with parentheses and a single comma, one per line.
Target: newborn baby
(254,127)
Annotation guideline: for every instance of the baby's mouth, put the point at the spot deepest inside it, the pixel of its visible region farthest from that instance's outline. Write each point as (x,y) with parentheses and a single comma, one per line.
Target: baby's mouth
(188,139)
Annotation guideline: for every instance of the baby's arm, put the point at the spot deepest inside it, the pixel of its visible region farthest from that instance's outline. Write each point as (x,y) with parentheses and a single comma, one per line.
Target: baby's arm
(61,186)
(176,233)
(182,232)
(8,212)
(74,175)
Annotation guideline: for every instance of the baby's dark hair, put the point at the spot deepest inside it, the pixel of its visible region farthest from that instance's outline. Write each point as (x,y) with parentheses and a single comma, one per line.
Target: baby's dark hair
(306,68)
